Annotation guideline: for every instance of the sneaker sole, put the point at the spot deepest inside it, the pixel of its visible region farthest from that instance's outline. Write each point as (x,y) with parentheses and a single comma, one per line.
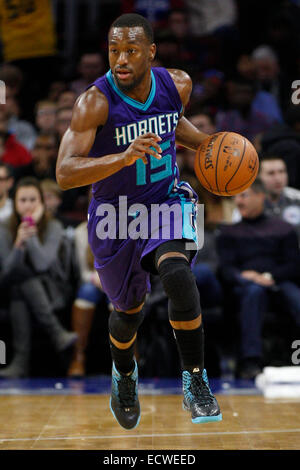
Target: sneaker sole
(203,419)
(113,413)
(207,419)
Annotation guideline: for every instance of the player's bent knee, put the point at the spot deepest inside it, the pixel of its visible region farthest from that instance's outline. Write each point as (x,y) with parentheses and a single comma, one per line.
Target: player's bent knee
(123,326)
(180,286)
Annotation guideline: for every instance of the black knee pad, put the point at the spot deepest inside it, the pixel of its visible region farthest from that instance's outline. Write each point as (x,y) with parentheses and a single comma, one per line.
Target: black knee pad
(180,286)
(123,326)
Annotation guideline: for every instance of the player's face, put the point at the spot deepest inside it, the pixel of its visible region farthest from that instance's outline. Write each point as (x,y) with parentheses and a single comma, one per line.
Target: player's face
(130,55)
(249,203)
(27,200)
(274,176)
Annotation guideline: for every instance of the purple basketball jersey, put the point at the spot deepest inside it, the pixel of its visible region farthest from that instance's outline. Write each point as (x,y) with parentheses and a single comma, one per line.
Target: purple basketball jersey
(127,120)
(119,261)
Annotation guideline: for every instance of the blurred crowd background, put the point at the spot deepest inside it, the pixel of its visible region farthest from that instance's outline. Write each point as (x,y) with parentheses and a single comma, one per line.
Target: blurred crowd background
(243,57)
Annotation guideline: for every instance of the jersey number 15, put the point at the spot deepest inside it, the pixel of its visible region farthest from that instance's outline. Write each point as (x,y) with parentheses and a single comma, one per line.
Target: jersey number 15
(165,161)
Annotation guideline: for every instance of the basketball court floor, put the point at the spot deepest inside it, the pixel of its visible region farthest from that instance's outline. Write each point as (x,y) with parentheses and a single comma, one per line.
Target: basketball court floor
(64,414)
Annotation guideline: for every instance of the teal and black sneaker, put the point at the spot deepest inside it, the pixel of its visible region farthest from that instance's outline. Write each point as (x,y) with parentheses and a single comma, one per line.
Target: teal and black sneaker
(198,399)
(124,402)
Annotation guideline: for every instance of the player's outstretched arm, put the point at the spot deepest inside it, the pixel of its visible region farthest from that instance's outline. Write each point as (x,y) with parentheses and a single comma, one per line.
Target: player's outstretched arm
(74,168)
(186,133)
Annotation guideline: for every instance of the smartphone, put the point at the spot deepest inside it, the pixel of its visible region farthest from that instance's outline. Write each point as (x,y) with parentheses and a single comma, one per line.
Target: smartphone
(29,220)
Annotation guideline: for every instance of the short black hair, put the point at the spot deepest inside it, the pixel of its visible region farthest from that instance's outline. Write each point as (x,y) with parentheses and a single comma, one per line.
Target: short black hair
(258,186)
(130,20)
(266,157)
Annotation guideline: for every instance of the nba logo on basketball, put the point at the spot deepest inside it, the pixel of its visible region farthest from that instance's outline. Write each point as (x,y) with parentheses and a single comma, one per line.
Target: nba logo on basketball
(2,353)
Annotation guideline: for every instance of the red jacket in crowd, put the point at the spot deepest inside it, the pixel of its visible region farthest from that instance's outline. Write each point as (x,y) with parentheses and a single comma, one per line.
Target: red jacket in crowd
(15,154)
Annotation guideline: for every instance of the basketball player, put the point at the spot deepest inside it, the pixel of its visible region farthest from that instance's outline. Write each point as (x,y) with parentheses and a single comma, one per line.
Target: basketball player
(131,117)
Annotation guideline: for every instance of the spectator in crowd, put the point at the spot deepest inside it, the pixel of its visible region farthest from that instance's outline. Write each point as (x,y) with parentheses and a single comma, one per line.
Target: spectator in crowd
(240,116)
(264,101)
(284,139)
(52,195)
(74,205)
(168,50)
(12,152)
(204,121)
(55,89)
(29,248)
(88,297)
(43,157)
(45,116)
(259,258)
(282,200)
(178,26)
(53,198)
(63,119)
(267,70)
(6,183)
(66,99)
(245,66)
(91,66)
(24,131)
(208,91)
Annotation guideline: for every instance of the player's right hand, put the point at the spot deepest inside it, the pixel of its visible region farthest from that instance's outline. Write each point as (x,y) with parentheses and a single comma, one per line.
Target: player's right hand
(142,146)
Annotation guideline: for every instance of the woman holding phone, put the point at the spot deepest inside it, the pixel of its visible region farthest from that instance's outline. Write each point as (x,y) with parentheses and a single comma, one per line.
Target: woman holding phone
(29,247)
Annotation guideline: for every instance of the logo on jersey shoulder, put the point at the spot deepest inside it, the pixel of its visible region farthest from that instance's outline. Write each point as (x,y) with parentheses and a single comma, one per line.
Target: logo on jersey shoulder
(160,125)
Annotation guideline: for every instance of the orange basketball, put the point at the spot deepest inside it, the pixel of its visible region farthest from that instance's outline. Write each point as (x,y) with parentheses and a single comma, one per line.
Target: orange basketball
(226,163)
